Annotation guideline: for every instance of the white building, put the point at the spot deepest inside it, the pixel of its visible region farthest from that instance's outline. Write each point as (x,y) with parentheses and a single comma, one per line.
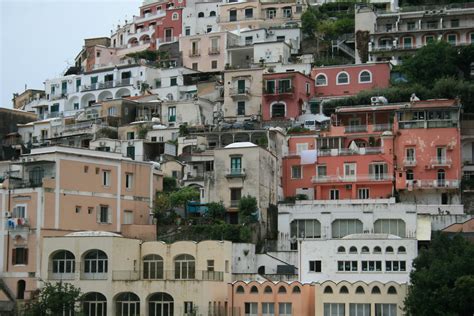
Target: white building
(200,17)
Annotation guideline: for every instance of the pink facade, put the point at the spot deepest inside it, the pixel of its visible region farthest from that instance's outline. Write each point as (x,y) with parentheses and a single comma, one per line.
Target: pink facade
(284,95)
(269,298)
(368,151)
(346,80)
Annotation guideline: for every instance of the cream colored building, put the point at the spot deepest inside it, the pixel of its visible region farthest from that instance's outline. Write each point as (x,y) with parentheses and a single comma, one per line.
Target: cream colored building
(243,94)
(359,298)
(56,190)
(120,275)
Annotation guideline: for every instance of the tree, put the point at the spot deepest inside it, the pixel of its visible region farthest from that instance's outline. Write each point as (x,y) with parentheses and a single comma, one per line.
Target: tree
(54,299)
(442,282)
(247,209)
(181,197)
(216,211)
(169,184)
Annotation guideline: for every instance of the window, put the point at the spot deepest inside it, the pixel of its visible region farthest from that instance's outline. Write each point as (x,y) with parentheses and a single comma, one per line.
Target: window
(200,14)
(214,64)
(284,309)
(268,290)
(152,267)
(94,304)
(236,165)
(370,266)
(365,76)
(391,290)
(376,290)
(127,304)
(365,249)
(271,13)
(287,12)
(173,81)
(158,83)
(95,261)
(334,194)
(248,13)
(210,265)
(377,249)
(128,180)
(296,290)
(254,290)
(395,227)
(187,31)
(280,38)
(363,193)
(241,108)
(410,156)
(268,309)
(212,13)
(78,209)
(344,290)
(441,155)
(270,87)
(409,175)
(282,290)
(389,249)
(341,249)
(284,86)
(407,42)
(130,135)
(172,114)
(301,147)
(161,304)
(184,267)
(232,15)
(395,266)
(195,66)
(240,289)
(353,249)
(347,266)
(106,178)
(131,152)
(76,106)
(378,171)
(321,80)
(328,290)
(429,39)
(411,26)
(175,16)
(334,309)
(344,227)
(315,266)
(296,172)
(104,215)
(342,78)
(455,23)
(350,171)
(305,228)
(385,309)
(451,39)
(360,290)
(321,171)
(19,256)
(235,195)
(19,211)
(251,309)
(402,249)
(278,110)
(359,309)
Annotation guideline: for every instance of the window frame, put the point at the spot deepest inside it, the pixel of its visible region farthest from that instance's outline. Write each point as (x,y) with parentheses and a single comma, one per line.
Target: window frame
(325,80)
(338,78)
(360,76)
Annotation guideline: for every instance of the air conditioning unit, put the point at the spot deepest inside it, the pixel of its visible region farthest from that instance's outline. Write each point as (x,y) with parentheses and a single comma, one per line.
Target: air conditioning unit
(8,214)
(102,144)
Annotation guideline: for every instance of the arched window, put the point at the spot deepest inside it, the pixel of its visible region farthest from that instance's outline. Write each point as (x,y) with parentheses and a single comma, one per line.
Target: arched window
(343,290)
(305,228)
(184,267)
(175,16)
(365,249)
(389,249)
(160,304)
(95,265)
(112,111)
(127,304)
(341,249)
(296,290)
(240,289)
(365,76)
(377,249)
(212,13)
(95,304)
(63,265)
(392,290)
(402,249)
(278,110)
(328,290)
(200,14)
(282,290)
(254,290)
(392,226)
(36,176)
(342,78)
(152,267)
(376,290)
(268,290)
(321,80)
(353,249)
(360,290)
(344,227)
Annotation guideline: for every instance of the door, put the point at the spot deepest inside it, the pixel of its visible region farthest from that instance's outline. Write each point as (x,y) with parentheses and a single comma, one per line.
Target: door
(241,86)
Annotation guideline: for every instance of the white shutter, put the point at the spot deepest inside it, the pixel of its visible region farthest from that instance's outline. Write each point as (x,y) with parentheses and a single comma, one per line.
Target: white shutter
(15,212)
(109,215)
(97,212)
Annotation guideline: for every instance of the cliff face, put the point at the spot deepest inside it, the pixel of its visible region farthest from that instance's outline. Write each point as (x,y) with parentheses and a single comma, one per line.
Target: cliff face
(8,124)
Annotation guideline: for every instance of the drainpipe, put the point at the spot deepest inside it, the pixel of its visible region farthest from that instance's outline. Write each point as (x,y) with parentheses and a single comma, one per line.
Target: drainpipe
(232,300)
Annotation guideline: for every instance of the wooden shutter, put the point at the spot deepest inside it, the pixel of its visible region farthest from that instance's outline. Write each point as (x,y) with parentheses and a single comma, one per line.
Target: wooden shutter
(26,255)
(97,212)
(13,256)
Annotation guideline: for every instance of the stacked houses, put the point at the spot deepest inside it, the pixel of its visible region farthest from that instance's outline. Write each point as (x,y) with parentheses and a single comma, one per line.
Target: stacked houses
(232,106)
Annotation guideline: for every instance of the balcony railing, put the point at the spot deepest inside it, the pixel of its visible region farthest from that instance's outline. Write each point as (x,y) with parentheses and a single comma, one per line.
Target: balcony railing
(379,177)
(235,172)
(107,84)
(349,151)
(382,127)
(285,90)
(214,51)
(61,276)
(429,184)
(441,162)
(409,162)
(17,224)
(125,275)
(123,82)
(168,39)
(194,52)
(239,92)
(94,276)
(356,129)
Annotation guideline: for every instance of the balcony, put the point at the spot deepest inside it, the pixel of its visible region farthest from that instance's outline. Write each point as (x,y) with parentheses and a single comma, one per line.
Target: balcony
(239,92)
(379,177)
(440,162)
(382,127)
(17,224)
(194,52)
(349,151)
(214,51)
(433,184)
(123,82)
(94,276)
(409,162)
(235,173)
(355,129)
(107,85)
(285,90)
(125,275)
(234,203)
(61,275)
(167,39)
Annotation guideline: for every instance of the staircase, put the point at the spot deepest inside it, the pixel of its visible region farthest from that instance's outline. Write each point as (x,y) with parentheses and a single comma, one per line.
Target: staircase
(342,46)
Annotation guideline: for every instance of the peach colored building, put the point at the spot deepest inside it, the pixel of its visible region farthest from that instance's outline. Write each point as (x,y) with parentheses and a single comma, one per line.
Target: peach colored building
(368,152)
(56,190)
(270,298)
(346,80)
(206,52)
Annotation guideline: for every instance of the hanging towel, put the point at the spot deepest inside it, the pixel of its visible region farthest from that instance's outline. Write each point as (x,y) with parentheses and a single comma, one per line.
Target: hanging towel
(308,156)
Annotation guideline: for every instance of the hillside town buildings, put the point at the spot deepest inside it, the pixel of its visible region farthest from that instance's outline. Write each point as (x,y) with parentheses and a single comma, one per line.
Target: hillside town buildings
(231,105)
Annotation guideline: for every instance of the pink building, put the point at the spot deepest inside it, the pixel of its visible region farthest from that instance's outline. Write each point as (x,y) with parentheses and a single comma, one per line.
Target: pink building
(346,80)
(369,152)
(285,94)
(269,298)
